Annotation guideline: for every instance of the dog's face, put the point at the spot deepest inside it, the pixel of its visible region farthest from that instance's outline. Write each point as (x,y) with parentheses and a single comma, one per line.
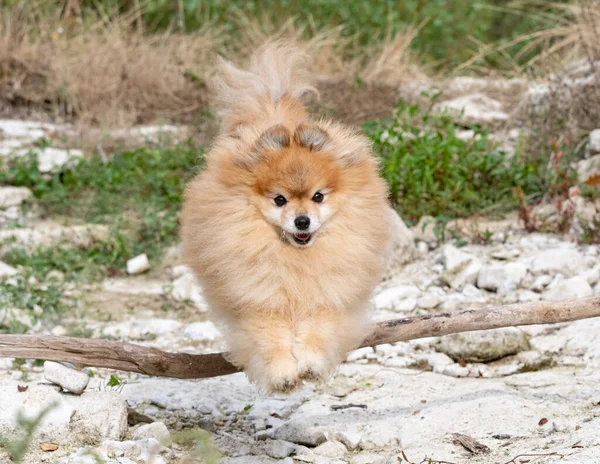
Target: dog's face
(297,184)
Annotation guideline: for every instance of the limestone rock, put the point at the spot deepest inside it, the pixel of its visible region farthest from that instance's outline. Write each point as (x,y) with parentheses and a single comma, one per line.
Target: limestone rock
(461,268)
(493,276)
(483,345)
(156,430)
(69,379)
(475,108)
(90,418)
(13,196)
(575,287)
(401,249)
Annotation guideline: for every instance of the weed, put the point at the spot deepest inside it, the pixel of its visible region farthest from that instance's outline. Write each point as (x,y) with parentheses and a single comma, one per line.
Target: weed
(114,383)
(431,171)
(23,293)
(137,193)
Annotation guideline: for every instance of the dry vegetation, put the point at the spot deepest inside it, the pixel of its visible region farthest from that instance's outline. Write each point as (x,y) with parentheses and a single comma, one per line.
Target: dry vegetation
(108,72)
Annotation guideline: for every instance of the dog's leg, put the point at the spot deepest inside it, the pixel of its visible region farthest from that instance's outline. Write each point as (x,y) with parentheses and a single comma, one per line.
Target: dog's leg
(322,340)
(262,344)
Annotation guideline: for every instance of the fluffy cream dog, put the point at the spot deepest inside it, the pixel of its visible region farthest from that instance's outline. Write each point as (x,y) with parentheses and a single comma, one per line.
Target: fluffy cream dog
(287,227)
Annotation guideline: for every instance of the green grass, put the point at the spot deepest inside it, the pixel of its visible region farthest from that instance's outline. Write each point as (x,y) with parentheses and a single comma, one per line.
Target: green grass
(136,193)
(432,172)
(22,292)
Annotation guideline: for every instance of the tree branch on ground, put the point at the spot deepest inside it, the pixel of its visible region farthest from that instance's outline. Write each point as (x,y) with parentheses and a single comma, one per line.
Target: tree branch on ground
(129,357)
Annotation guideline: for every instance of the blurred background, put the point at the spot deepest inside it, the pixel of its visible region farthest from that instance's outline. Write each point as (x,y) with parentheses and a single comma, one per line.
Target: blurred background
(485,116)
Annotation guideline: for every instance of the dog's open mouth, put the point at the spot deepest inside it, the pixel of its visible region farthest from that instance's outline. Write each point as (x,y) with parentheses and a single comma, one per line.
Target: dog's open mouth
(302,238)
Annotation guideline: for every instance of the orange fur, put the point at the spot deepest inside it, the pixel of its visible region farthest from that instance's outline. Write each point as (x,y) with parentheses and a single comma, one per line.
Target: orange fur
(291,312)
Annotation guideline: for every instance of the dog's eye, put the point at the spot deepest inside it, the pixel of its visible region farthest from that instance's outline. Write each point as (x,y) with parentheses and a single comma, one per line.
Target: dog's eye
(318,197)
(280,200)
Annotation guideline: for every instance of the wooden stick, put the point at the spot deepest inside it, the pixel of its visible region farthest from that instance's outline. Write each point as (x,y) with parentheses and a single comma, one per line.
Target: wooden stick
(151,361)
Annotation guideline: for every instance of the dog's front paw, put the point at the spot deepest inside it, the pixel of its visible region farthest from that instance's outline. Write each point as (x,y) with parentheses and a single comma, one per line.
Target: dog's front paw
(276,375)
(314,366)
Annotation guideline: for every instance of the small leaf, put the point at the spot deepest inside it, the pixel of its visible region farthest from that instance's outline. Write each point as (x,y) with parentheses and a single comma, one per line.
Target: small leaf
(47,447)
(22,388)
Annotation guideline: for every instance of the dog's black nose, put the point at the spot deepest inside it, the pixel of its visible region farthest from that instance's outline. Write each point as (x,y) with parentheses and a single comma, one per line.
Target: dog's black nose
(302,222)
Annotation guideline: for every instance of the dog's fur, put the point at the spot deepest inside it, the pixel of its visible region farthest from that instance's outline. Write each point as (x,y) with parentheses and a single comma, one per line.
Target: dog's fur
(292,310)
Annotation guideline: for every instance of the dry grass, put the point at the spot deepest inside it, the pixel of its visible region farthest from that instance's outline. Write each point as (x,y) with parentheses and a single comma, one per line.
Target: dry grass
(572,35)
(103,74)
(100,70)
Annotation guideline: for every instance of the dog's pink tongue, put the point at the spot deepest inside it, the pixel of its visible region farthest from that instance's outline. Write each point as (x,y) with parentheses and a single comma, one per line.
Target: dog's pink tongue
(302,236)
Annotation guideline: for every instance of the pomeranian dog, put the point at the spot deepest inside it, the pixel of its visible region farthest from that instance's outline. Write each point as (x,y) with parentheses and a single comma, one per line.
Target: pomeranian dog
(287,227)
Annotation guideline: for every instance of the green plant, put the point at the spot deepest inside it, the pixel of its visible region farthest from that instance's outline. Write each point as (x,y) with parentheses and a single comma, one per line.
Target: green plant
(22,292)
(137,193)
(431,171)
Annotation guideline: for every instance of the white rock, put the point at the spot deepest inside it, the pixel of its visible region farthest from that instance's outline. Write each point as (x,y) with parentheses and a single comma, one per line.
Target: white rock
(156,430)
(422,247)
(52,159)
(405,305)
(435,359)
(146,450)
(59,331)
(505,255)
(9,315)
(452,370)
(401,249)
(575,287)
(396,349)
(461,268)
(360,353)
(592,275)
(279,449)
(475,108)
(350,437)
(186,287)
(472,293)
(300,434)
(527,296)
(483,345)
(392,297)
(567,261)
(138,264)
(561,426)
(551,344)
(541,283)
(6,270)
(69,379)
(25,130)
(91,417)
(81,236)
(205,331)
(13,196)
(380,435)
(429,301)
(180,269)
(594,143)
(492,276)
(331,449)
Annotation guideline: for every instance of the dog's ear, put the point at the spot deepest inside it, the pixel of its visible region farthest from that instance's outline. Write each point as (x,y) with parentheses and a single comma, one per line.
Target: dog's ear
(312,137)
(273,139)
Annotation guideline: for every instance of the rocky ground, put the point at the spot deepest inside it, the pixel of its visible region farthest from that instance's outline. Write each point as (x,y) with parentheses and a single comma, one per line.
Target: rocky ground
(481,397)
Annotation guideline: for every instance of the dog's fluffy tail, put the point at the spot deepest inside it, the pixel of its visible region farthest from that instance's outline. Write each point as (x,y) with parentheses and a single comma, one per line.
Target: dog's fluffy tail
(277,70)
